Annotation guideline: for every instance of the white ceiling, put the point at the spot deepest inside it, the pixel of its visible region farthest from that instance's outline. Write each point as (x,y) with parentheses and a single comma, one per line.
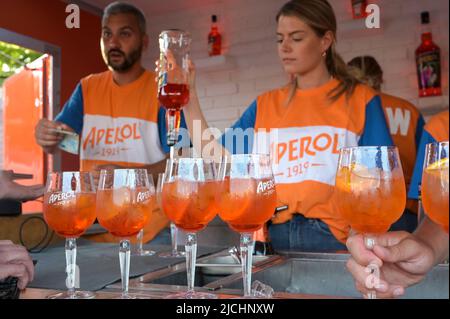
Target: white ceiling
(155,7)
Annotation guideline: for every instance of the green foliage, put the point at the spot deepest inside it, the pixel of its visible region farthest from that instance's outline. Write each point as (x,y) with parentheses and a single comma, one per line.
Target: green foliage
(13,57)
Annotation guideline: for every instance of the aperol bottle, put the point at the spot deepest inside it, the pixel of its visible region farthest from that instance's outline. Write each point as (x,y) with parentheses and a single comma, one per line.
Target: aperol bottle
(214,38)
(428,60)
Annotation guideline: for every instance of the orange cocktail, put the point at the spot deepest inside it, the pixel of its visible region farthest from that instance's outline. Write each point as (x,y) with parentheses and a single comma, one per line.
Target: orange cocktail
(435,183)
(370,200)
(190,205)
(247,201)
(370,190)
(69,209)
(247,204)
(189,199)
(69,214)
(125,200)
(124,211)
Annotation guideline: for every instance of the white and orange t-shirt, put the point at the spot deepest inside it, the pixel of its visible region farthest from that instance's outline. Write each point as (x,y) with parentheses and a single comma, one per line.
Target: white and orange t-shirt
(436,130)
(117,124)
(304,139)
(121,125)
(406,126)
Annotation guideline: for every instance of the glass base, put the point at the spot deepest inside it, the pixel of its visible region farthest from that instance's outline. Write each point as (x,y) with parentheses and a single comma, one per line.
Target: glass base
(143,252)
(77,295)
(192,295)
(172,254)
(251,297)
(126,296)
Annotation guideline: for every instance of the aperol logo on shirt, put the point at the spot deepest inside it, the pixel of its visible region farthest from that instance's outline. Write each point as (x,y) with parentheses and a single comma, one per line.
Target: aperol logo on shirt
(306,153)
(120,139)
(111,136)
(60,198)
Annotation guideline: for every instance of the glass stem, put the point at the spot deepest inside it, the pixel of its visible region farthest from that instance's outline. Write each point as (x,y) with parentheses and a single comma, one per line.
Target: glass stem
(173,234)
(124,258)
(191,256)
(246,248)
(140,235)
(173,124)
(71,264)
(369,243)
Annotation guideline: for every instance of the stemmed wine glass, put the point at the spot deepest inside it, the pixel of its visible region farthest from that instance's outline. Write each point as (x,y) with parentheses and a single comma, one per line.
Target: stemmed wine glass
(371,190)
(125,201)
(174,253)
(189,199)
(435,183)
(247,201)
(140,251)
(69,209)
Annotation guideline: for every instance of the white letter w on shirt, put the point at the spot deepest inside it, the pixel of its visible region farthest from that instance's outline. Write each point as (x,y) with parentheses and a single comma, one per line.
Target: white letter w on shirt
(398,121)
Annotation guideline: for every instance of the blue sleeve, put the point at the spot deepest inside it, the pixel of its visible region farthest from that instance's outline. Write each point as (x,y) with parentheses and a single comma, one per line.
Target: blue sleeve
(183,134)
(376,131)
(416,179)
(419,130)
(238,139)
(72,112)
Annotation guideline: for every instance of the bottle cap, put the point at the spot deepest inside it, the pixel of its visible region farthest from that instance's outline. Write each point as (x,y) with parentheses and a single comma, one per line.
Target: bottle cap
(425,17)
(214,18)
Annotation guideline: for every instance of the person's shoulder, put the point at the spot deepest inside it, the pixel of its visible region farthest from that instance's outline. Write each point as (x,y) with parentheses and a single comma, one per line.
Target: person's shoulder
(150,74)
(439,119)
(396,101)
(281,92)
(362,95)
(96,77)
(364,91)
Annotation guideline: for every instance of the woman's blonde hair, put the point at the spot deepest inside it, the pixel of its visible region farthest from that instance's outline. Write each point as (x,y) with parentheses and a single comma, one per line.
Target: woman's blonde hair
(367,70)
(319,15)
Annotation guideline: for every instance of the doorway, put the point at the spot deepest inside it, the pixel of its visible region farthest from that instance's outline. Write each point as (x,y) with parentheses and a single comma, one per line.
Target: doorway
(29,93)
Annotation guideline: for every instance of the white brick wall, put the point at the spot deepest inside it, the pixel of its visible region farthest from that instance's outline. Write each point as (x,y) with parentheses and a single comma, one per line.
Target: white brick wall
(248,28)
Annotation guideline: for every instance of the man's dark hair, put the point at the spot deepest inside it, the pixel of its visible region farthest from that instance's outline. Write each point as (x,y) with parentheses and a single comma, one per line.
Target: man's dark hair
(122,7)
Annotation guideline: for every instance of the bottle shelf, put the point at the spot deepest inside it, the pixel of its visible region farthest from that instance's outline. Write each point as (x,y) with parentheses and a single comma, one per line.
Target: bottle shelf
(357,28)
(433,104)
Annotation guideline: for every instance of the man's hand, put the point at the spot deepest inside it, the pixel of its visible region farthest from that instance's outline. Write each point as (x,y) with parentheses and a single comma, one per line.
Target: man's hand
(15,262)
(403,260)
(11,190)
(46,135)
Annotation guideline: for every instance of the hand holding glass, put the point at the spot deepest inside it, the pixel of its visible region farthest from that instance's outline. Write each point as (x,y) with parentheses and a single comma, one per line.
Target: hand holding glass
(370,189)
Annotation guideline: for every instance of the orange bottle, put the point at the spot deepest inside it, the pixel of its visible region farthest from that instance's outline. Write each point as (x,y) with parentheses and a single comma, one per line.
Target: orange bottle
(214,39)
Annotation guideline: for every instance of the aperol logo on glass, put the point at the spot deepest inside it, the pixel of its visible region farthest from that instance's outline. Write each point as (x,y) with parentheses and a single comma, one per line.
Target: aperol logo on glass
(266,187)
(143,196)
(60,198)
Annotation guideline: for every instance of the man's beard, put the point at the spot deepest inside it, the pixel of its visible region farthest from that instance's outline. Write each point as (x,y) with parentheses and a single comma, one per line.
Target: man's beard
(129,60)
